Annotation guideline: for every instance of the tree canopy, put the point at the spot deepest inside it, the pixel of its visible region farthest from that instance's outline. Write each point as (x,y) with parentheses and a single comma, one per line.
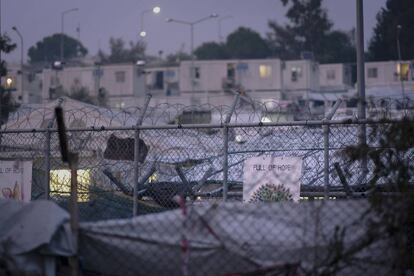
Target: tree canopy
(211,50)
(383,44)
(6,103)
(48,49)
(243,43)
(119,53)
(309,30)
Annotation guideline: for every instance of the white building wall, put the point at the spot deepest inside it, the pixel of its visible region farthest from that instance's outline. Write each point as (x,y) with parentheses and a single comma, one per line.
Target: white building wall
(213,74)
(387,74)
(32,84)
(299,78)
(120,81)
(335,76)
(171,79)
(260,75)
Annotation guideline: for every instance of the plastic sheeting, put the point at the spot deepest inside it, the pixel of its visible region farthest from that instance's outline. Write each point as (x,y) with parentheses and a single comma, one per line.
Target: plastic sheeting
(229,238)
(31,231)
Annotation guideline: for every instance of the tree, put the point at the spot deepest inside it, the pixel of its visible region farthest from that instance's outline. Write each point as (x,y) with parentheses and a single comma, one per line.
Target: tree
(175,58)
(7,104)
(48,49)
(244,43)
(120,54)
(309,29)
(82,94)
(211,50)
(383,44)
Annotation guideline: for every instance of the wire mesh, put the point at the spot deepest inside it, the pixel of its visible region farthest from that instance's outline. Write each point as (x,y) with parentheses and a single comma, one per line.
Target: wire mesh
(183,226)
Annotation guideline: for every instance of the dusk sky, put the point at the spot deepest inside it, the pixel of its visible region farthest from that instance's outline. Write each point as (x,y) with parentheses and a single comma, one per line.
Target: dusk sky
(101,19)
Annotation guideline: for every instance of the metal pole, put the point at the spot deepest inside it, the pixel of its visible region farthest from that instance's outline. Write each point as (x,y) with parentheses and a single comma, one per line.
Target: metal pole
(225,161)
(61,36)
(326,160)
(136,155)
(361,83)
(360,60)
(226,146)
(47,169)
(220,36)
(399,27)
(192,60)
(74,210)
(14,28)
(62,31)
(326,130)
(1,87)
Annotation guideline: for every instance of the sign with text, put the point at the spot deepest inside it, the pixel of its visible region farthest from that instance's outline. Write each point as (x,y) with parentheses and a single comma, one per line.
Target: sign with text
(16,180)
(271,179)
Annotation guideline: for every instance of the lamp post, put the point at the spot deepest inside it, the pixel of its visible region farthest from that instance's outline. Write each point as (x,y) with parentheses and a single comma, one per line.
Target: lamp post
(14,28)
(192,24)
(62,30)
(399,27)
(155,10)
(221,38)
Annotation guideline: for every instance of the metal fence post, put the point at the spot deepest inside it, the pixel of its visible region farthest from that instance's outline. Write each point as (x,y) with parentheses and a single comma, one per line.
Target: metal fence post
(326,130)
(136,154)
(47,169)
(225,161)
(326,160)
(226,146)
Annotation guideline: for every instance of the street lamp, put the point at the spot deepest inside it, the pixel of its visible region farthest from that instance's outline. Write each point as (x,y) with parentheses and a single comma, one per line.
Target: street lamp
(62,30)
(399,27)
(14,28)
(221,38)
(191,24)
(154,10)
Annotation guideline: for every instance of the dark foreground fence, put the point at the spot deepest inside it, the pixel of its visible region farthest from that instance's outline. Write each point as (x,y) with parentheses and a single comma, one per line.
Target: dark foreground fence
(173,199)
(203,163)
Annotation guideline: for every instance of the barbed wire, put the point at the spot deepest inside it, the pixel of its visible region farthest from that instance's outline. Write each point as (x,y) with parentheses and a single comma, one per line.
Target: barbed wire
(83,115)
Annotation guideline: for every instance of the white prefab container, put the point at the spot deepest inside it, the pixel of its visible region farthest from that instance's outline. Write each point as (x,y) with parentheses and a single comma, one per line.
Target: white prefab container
(219,76)
(335,77)
(120,81)
(389,73)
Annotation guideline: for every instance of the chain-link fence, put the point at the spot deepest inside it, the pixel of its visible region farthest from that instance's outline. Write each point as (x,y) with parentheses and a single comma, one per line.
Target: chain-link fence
(186,183)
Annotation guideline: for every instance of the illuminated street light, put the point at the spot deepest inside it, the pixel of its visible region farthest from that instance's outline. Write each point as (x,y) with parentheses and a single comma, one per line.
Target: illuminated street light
(155,10)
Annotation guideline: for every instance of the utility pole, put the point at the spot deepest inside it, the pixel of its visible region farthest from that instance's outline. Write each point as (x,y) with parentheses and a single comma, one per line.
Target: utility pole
(399,27)
(1,86)
(362,137)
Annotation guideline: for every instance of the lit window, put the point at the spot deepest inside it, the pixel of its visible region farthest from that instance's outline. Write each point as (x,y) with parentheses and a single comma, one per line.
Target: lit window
(330,74)
(372,73)
(403,70)
(120,76)
(153,178)
(60,184)
(265,71)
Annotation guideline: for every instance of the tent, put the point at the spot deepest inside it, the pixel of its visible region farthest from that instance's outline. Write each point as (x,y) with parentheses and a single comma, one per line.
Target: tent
(32,234)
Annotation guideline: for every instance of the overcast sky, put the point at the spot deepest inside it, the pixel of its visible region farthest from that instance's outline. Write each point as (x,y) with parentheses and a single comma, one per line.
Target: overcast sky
(101,19)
